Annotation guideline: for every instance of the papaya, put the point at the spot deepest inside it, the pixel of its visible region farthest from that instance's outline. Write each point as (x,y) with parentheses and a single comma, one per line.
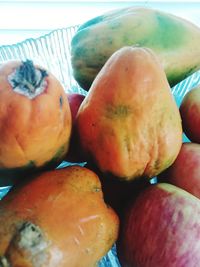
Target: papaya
(59,218)
(35,120)
(129,124)
(175,40)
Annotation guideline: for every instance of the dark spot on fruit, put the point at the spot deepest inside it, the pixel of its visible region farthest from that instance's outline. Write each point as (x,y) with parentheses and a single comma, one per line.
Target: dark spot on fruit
(61,101)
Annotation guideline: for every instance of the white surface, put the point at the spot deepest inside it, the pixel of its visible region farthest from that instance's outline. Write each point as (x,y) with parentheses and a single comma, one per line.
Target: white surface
(20,20)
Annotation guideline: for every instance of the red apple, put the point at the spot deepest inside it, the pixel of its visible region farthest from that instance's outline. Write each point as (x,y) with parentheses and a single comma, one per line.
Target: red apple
(190,114)
(161,229)
(75,100)
(75,153)
(185,171)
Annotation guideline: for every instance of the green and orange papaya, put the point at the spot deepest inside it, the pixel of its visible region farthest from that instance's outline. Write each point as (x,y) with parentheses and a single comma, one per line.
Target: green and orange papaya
(175,41)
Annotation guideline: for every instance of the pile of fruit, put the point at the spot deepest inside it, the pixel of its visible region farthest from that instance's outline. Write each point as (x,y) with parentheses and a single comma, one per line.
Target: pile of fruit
(127,130)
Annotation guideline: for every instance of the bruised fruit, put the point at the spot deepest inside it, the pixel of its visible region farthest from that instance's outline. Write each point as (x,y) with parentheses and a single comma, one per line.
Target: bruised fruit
(129,123)
(59,218)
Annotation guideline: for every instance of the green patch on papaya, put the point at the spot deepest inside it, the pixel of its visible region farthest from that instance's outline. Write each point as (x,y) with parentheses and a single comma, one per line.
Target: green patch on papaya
(169,34)
(78,37)
(175,77)
(84,82)
(56,159)
(119,111)
(173,34)
(109,41)
(60,153)
(114,25)
(80,51)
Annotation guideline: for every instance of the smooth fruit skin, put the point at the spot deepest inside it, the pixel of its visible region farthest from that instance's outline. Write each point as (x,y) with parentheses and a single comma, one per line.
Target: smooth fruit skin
(75,153)
(68,206)
(162,228)
(75,100)
(174,39)
(185,171)
(129,123)
(190,114)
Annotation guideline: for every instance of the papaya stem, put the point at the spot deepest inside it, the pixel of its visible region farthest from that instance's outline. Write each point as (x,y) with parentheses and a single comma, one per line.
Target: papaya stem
(29,244)
(27,79)
(30,237)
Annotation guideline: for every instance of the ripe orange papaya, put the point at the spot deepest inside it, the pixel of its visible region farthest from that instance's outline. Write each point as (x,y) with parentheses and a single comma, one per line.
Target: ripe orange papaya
(35,120)
(129,123)
(59,218)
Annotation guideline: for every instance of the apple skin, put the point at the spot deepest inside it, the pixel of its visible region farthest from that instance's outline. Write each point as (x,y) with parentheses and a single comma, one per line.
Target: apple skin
(75,100)
(161,229)
(185,171)
(190,114)
(75,153)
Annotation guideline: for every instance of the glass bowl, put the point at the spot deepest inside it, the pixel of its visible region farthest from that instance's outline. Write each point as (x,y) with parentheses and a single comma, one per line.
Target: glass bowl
(53,52)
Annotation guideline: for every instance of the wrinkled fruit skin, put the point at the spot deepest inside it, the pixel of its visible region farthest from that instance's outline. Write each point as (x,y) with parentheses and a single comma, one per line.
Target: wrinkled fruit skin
(129,123)
(190,114)
(63,215)
(161,228)
(185,171)
(34,132)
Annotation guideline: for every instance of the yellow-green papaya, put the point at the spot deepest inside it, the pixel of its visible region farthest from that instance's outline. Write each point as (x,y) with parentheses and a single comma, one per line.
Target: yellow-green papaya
(174,39)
